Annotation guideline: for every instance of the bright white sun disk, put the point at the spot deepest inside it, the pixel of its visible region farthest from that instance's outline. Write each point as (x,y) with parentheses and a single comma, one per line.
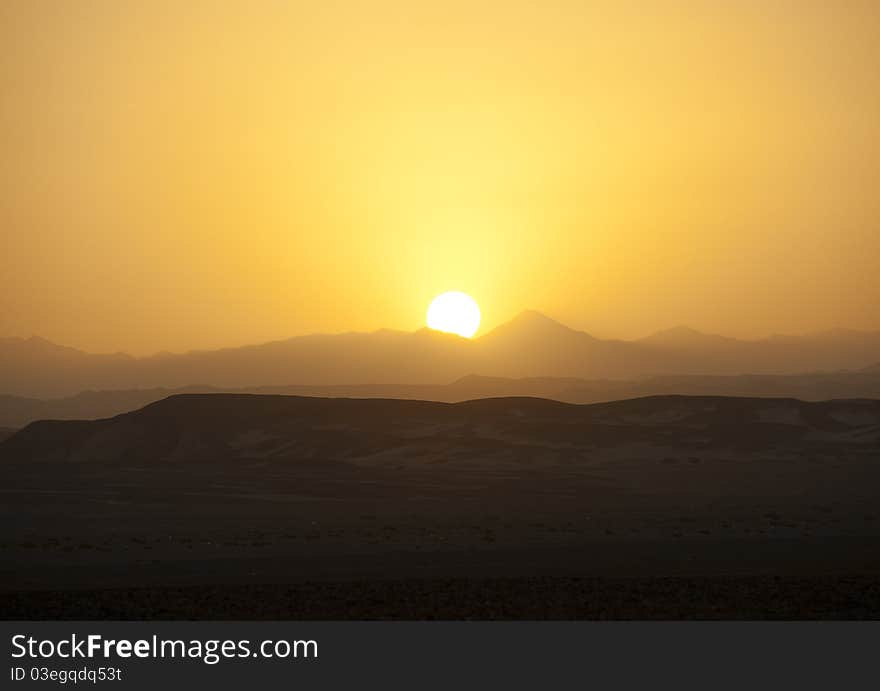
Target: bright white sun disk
(454,312)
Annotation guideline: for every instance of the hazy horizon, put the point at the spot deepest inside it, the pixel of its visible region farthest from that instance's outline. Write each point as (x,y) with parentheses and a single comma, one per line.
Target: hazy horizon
(202,176)
(482,332)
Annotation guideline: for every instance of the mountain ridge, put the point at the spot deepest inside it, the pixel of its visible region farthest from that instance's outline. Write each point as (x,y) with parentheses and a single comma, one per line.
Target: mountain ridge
(531,345)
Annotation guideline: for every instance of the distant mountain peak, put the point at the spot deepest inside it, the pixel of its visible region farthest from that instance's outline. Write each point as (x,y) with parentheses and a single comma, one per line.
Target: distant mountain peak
(684,335)
(536,317)
(33,340)
(680,330)
(532,323)
(37,344)
(43,346)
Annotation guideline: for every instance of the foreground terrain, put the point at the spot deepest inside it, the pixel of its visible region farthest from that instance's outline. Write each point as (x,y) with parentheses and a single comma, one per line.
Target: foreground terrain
(238,506)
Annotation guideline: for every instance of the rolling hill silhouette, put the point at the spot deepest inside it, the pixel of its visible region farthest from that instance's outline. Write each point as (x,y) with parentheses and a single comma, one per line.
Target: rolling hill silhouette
(288,504)
(218,427)
(17,411)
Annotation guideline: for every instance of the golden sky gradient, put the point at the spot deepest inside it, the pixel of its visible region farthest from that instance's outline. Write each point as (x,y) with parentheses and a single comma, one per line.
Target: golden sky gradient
(197,174)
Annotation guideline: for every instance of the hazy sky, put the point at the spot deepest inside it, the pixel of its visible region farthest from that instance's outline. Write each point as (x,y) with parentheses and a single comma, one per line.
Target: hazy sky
(190,174)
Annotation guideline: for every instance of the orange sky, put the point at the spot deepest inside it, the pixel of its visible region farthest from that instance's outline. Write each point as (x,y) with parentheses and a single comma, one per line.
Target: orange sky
(197,174)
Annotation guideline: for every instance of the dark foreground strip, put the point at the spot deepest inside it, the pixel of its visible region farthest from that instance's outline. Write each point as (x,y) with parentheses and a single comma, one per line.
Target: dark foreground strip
(750,598)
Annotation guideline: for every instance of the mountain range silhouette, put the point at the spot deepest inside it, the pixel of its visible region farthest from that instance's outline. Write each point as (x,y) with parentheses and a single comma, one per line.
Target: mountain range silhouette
(530,345)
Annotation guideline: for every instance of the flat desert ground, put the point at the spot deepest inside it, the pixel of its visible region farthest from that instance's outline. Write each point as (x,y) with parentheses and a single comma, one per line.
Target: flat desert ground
(282,507)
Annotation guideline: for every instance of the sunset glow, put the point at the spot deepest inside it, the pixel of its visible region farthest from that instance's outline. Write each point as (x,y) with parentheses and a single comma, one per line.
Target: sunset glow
(454,312)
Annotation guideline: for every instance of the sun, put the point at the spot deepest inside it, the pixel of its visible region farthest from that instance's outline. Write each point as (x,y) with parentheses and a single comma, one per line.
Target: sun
(454,312)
